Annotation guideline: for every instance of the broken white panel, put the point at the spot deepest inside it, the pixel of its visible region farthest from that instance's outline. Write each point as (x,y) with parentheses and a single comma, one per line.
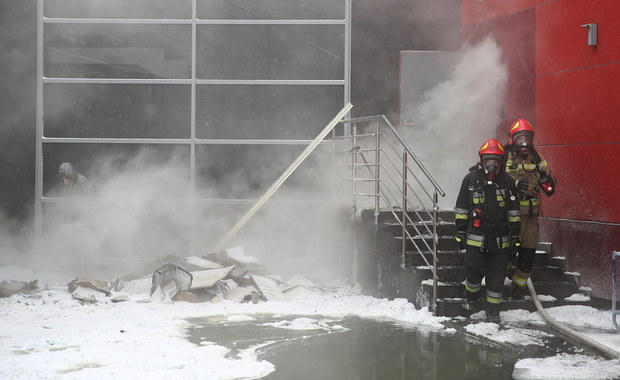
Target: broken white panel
(268,287)
(171,273)
(208,278)
(295,291)
(171,289)
(120,298)
(139,286)
(159,295)
(87,293)
(102,286)
(228,285)
(202,263)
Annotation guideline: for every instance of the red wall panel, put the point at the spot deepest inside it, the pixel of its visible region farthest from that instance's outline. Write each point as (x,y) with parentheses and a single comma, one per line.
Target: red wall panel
(479,10)
(588,187)
(561,42)
(579,107)
(569,90)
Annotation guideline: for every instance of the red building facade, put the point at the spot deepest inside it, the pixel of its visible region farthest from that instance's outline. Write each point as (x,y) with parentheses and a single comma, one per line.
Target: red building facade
(570,91)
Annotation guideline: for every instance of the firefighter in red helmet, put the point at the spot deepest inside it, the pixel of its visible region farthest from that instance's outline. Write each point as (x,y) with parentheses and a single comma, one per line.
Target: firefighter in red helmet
(487,224)
(531,173)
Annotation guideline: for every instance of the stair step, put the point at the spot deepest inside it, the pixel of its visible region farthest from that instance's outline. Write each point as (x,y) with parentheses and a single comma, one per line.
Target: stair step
(387,216)
(454,307)
(420,242)
(443,228)
(448,273)
(456,257)
(453,258)
(558,289)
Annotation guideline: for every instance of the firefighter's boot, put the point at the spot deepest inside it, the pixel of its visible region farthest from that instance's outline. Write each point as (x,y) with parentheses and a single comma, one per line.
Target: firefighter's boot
(471,298)
(517,293)
(493,312)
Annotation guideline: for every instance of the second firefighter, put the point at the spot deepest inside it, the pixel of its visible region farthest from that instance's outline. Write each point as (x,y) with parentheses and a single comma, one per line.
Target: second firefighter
(488,224)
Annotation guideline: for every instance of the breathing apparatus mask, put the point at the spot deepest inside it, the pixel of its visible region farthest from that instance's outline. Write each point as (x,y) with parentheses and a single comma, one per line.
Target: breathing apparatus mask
(491,164)
(524,142)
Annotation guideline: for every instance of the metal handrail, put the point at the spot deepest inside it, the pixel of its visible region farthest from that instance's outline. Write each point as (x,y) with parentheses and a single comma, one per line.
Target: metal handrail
(396,185)
(404,145)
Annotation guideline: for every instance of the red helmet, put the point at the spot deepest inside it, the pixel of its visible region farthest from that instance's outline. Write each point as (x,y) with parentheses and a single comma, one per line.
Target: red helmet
(491,146)
(491,155)
(521,127)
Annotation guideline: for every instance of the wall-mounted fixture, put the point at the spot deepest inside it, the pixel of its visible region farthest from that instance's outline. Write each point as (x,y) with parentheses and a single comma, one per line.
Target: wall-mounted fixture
(592,33)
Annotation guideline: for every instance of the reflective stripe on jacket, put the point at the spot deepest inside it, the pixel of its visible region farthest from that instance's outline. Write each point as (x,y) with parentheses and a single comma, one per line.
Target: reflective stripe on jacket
(501,218)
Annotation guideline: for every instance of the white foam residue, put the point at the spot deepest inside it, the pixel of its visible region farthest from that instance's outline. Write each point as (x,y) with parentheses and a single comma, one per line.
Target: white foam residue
(566,367)
(512,335)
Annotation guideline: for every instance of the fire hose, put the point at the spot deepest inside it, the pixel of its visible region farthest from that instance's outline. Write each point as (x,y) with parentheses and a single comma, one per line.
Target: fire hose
(568,331)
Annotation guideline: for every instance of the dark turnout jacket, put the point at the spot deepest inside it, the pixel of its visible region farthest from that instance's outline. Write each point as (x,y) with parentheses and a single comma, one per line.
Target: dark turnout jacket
(487,212)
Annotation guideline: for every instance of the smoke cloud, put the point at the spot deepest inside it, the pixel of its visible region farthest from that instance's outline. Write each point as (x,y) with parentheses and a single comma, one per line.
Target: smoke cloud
(459,114)
(143,209)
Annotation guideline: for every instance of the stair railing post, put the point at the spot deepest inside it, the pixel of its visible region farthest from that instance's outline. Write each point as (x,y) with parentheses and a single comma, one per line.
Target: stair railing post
(435,241)
(377,168)
(404,214)
(354,151)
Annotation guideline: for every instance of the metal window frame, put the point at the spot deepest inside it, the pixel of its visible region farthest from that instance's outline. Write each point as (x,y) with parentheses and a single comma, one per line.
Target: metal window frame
(192,82)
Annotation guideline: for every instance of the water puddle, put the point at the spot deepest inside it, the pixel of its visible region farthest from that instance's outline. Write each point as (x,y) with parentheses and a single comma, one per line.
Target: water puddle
(356,348)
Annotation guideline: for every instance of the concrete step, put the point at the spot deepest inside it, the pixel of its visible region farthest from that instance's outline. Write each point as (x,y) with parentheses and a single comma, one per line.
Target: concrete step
(386,216)
(421,228)
(457,273)
(456,257)
(424,242)
(453,307)
(557,289)
(444,258)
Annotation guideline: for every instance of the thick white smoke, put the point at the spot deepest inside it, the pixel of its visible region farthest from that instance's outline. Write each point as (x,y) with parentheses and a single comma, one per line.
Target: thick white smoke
(459,114)
(143,210)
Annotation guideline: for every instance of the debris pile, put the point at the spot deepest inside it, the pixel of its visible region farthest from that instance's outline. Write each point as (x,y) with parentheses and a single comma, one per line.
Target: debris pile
(229,275)
(8,288)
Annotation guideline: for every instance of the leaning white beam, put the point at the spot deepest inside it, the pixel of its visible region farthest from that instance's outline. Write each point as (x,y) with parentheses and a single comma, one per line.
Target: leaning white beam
(276,185)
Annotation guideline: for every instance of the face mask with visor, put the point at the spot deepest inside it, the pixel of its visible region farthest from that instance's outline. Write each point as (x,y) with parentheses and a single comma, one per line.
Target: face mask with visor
(524,142)
(491,164)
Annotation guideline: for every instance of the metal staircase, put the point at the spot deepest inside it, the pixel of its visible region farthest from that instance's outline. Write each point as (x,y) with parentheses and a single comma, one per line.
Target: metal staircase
(403,245)
(414,281)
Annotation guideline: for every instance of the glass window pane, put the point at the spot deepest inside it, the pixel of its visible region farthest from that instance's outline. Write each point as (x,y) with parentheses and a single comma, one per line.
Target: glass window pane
(246,171)
(117,110)
(271,9)
(270,52)
(119,8)
(116,170)
(265,112)
(117,51)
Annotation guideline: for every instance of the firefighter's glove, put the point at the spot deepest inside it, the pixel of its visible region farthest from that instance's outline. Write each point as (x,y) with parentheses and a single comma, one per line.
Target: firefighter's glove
(522,185)
(460,239)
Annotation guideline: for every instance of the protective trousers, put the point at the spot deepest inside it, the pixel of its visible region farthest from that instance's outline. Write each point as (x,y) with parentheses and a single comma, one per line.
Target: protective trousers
(529,231)
(527,251)
(488,264)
